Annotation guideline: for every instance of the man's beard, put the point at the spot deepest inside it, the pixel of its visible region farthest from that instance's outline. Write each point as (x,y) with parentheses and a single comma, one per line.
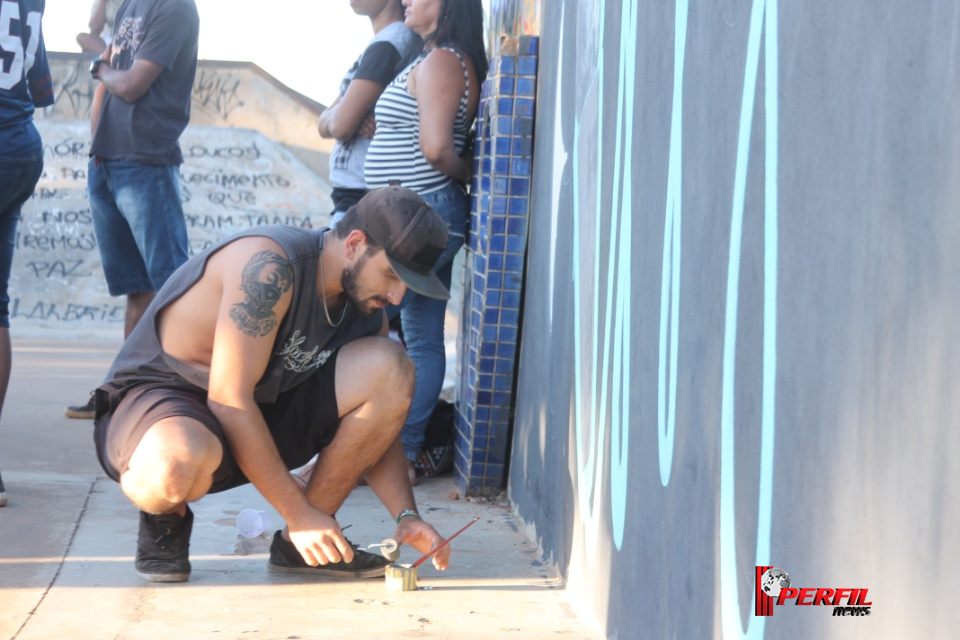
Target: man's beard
(350,281)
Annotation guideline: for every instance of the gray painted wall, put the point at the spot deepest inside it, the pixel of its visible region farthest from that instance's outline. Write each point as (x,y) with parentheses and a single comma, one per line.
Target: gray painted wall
(740,342)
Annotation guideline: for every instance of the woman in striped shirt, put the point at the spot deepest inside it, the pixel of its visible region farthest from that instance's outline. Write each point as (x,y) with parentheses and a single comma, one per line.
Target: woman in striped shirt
(424,126)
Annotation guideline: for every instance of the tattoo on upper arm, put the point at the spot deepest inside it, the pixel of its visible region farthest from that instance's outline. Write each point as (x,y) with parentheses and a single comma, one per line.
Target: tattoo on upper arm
(265,279)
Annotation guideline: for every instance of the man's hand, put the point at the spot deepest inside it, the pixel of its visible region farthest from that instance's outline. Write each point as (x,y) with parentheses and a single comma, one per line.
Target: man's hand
(424,538)
(319,539)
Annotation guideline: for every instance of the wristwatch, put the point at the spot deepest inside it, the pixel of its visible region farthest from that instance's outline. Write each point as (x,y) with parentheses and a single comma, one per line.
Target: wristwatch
(95,66)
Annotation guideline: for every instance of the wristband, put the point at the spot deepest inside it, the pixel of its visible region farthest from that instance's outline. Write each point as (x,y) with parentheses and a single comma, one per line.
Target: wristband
(407,512)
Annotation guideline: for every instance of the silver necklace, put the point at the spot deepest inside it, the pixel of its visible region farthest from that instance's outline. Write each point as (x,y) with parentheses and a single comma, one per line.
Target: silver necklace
(326,311)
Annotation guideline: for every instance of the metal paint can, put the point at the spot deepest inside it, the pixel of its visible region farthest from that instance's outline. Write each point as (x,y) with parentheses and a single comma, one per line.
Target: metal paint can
(401,577)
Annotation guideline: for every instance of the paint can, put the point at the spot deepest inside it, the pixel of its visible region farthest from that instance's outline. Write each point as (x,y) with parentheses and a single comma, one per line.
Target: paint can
(401,577)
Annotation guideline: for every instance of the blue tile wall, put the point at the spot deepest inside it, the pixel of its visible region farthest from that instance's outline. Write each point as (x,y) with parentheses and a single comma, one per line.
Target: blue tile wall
(494,267)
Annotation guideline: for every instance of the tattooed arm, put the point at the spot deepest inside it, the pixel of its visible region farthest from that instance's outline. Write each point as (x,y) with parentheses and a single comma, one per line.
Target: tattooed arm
(256,295)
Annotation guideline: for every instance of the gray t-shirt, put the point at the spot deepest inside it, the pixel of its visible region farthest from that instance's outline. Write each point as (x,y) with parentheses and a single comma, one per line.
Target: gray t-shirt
(304,341)
(164,32)
(390,51)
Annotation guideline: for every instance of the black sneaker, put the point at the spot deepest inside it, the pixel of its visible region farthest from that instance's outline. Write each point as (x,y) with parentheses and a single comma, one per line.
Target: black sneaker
(82,411)
(3,494)
(163,547)
(284,558)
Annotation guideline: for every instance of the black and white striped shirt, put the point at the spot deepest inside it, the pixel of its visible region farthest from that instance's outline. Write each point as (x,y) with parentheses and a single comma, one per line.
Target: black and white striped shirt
(395,155)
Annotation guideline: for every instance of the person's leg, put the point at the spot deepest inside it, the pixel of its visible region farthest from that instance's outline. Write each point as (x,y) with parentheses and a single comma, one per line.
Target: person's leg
(18,178)
(165,448)
(422,319)
(149,198)
(374,385)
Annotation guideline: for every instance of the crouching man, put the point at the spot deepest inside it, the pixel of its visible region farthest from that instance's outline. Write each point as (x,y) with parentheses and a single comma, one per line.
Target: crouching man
(259,353)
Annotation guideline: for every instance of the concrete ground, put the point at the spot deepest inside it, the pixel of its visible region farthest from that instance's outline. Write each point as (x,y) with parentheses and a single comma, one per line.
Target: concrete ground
(67,540)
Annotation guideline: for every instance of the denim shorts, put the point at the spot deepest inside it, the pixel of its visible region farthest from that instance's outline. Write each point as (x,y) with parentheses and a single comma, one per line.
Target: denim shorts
(138,218)
(18,178)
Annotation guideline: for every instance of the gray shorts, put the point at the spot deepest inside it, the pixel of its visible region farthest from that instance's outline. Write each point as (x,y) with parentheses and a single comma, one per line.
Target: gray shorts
(302,421)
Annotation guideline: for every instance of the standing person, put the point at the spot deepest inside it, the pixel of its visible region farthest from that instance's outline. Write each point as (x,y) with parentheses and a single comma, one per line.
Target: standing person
(424,126)
(103,15)
(350,118)
(24,84)
(140,108)
(259,353)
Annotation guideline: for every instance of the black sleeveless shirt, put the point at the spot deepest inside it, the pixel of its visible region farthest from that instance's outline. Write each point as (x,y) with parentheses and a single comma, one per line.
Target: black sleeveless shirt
(304,342)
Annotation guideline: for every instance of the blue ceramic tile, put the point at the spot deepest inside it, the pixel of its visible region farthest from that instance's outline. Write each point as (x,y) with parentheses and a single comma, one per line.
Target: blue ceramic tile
(525,86)
(488,146)
(496,261)
(481,428)
(510,317)
(523,126)
(493,298)
(484,398)
(521,167)
(502,165)
(483,414)
(497,243)
(491,315)
(488,349)
(508,334)
(508,65)
(510,300)
(503,368)
(485,88)
(524,107)
(505,106)
(504,125)
(486,366)
(510,281)
(517,226)
(506,85)
(520,147)
(499,204)
(501,415)
(498,225)
(519,206)
(527,66)
(519,187)
(516,244)
(494,458)
(501,398)
(494,474)
(504,382)
(485,183)
(485,165)
(495,281)
(503,147)
(490,333)
(478,456)
(514,263)
(527,45)
(485,382)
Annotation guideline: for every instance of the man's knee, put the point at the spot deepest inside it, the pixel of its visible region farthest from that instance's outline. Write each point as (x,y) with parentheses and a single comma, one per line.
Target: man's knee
(375,369)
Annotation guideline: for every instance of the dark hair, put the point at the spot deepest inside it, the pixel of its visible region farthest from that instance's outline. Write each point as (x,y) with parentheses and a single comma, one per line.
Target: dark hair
(461,25)
(351,222)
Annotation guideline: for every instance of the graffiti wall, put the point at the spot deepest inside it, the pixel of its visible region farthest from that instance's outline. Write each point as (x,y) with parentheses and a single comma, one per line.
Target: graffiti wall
(739,343)
(231,179)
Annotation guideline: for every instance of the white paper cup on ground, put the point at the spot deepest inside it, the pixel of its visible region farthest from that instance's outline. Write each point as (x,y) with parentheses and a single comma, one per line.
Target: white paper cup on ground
(251,523)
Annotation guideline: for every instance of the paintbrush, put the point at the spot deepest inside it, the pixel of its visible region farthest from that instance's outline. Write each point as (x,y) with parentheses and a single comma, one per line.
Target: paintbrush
(444,543)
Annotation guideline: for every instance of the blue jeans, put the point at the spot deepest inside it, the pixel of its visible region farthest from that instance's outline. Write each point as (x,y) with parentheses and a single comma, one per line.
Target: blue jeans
(422,319)
(139,222)
(18,178)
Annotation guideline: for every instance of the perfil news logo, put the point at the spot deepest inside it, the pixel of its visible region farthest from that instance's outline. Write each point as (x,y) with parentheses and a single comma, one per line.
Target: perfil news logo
(774,585)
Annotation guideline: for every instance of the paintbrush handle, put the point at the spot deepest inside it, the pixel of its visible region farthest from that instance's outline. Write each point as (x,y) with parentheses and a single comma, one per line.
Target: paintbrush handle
(445,542)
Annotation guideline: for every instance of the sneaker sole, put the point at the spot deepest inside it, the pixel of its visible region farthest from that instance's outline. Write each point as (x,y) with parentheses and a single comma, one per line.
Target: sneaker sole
(377,572)
(79,415)
(164,577)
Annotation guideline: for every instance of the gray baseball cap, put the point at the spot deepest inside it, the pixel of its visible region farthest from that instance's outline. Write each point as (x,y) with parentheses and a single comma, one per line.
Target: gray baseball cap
(411,233)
